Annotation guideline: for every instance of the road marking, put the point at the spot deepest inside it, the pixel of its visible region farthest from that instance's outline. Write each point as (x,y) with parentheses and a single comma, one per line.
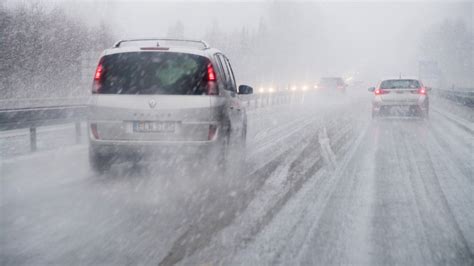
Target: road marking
(326,150)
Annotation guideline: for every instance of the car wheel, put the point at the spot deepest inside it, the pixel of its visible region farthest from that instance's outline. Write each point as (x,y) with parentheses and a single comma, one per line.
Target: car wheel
(374,114)
(223,154)
(239,154)
(232,155)
(99,163)
(425,113)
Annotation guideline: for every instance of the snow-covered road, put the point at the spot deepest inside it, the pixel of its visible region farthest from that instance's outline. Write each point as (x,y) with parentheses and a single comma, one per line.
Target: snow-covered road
(403,196)
(324,185)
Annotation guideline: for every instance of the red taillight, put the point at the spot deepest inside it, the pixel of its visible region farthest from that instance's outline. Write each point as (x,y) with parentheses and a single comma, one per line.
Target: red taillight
(94,131)
(211,74)
(378,91)
(99,74)
(422,91)
(99,71)
(212,132)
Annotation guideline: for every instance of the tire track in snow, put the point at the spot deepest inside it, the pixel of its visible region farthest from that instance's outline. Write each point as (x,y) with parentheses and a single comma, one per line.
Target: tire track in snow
(201,231)
(445,238)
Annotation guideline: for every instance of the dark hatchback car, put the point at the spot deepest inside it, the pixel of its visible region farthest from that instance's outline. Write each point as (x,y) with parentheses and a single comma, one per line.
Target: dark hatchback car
(332,84)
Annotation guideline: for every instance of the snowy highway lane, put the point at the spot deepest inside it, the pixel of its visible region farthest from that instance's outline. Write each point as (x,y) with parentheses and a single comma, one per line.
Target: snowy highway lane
(404,196)
(324,185)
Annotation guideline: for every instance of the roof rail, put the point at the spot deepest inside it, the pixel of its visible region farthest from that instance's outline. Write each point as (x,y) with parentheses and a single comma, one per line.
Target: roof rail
(203,43)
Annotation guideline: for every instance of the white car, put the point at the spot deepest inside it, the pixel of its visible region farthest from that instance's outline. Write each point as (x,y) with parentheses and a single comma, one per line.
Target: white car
(168,100)
(400,96)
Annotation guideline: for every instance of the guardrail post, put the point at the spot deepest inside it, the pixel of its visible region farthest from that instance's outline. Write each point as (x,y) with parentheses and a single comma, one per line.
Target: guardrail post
(32,138)
(78,132)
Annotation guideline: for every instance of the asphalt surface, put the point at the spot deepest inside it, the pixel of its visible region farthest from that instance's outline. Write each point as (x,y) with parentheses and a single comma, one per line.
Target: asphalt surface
(324,185)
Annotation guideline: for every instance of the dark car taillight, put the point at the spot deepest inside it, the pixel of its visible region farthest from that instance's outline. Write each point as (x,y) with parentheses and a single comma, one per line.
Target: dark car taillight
(98,77)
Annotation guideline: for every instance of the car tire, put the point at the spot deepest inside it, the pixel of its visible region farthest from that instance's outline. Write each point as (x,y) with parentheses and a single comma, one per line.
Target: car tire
(99,163)
(425,114)
(232,155)
(421,112)
(238,153)
(374,115)
(222,155)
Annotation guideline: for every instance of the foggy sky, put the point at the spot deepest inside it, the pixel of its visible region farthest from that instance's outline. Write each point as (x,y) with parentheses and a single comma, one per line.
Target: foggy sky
(380,38)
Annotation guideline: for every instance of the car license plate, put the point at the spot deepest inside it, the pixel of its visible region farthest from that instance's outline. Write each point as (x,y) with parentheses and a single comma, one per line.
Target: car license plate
(151,126)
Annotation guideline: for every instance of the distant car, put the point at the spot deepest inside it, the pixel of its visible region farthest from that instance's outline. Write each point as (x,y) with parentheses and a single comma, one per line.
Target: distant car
(406,95)
(332,84)
(165,100)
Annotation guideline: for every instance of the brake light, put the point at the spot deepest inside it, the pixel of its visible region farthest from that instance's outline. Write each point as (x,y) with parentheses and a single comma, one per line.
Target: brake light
(154,48)
(422,91)
(379,91)
(212,132)
(211,74)
(99,71)
(94,131)
(98,77)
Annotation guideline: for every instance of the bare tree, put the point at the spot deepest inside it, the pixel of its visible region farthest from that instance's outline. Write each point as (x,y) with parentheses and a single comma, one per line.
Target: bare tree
(176,30)
(40,51)
(451,45)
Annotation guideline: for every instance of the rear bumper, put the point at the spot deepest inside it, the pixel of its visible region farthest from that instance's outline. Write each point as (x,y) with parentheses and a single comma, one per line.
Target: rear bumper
(422,104)
(151,149)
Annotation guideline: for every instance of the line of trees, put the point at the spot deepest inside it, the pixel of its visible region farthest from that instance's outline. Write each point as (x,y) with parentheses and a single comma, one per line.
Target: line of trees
(41,49)
(281,49)
(451,44)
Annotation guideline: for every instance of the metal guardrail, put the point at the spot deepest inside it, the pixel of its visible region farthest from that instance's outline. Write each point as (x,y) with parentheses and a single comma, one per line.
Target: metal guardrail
(19,113)
(261,100)
(33,113)
(32,118)
(459,95)
(9,104)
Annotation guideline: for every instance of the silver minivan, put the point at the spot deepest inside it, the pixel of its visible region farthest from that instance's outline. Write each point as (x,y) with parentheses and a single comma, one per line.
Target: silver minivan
(165,97)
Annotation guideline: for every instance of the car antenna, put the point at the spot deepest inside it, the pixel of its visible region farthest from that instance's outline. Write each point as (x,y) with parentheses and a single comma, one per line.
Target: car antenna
(400,76)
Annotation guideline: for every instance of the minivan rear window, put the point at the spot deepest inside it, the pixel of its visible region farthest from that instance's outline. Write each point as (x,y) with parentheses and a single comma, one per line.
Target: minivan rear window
(154,73)
(400,83)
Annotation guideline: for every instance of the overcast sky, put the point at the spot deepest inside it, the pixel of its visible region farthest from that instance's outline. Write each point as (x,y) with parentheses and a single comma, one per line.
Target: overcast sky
(359,33)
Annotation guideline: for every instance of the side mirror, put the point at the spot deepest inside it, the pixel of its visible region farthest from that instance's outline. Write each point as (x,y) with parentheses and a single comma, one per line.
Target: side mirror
(371,89)
(244,89)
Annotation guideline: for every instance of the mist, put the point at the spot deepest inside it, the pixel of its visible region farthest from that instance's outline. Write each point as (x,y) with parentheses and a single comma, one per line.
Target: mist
(372,39)
(286,42)
(308,133)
